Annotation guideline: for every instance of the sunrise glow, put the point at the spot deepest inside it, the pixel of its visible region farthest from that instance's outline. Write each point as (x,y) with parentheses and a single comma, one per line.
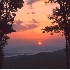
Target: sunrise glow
(39,43)
(30,19)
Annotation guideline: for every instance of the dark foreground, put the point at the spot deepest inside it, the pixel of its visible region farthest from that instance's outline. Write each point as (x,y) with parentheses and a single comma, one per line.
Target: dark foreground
(52,60)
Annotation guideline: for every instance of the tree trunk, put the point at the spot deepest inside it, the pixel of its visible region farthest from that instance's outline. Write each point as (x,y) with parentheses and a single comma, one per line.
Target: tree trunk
(1,57)
(1,51)
(67,47)
(67,55)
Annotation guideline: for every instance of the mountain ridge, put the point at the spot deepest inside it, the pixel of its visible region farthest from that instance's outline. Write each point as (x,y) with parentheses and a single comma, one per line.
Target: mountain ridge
(42,60)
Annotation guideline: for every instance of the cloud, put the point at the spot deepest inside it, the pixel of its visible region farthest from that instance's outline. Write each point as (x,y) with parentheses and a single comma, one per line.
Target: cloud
(19,27)
(30,2)
(34,21)
(31,13)
(25,28)
(18,22)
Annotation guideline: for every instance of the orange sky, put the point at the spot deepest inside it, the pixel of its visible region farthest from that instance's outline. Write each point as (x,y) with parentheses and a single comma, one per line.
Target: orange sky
(31,19)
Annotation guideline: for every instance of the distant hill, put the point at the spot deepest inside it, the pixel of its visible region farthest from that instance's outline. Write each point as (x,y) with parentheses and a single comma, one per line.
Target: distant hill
(50,60)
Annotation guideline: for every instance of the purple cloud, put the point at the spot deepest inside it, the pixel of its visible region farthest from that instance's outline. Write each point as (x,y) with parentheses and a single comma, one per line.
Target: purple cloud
(34,21)
(29,2)
(18,22)
(19,27)
(31,13)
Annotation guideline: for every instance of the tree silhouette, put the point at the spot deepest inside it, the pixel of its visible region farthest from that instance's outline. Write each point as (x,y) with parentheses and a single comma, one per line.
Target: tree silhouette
(61,22)
(7,15)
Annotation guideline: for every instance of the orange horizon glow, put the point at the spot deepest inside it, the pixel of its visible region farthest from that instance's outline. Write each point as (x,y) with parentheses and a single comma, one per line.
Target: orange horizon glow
(34,36)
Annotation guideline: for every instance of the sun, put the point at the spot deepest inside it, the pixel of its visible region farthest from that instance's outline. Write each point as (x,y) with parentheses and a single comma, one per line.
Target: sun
(39,43)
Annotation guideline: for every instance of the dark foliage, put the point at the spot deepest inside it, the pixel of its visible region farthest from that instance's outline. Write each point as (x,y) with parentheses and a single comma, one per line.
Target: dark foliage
(61,16)
(7,15)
